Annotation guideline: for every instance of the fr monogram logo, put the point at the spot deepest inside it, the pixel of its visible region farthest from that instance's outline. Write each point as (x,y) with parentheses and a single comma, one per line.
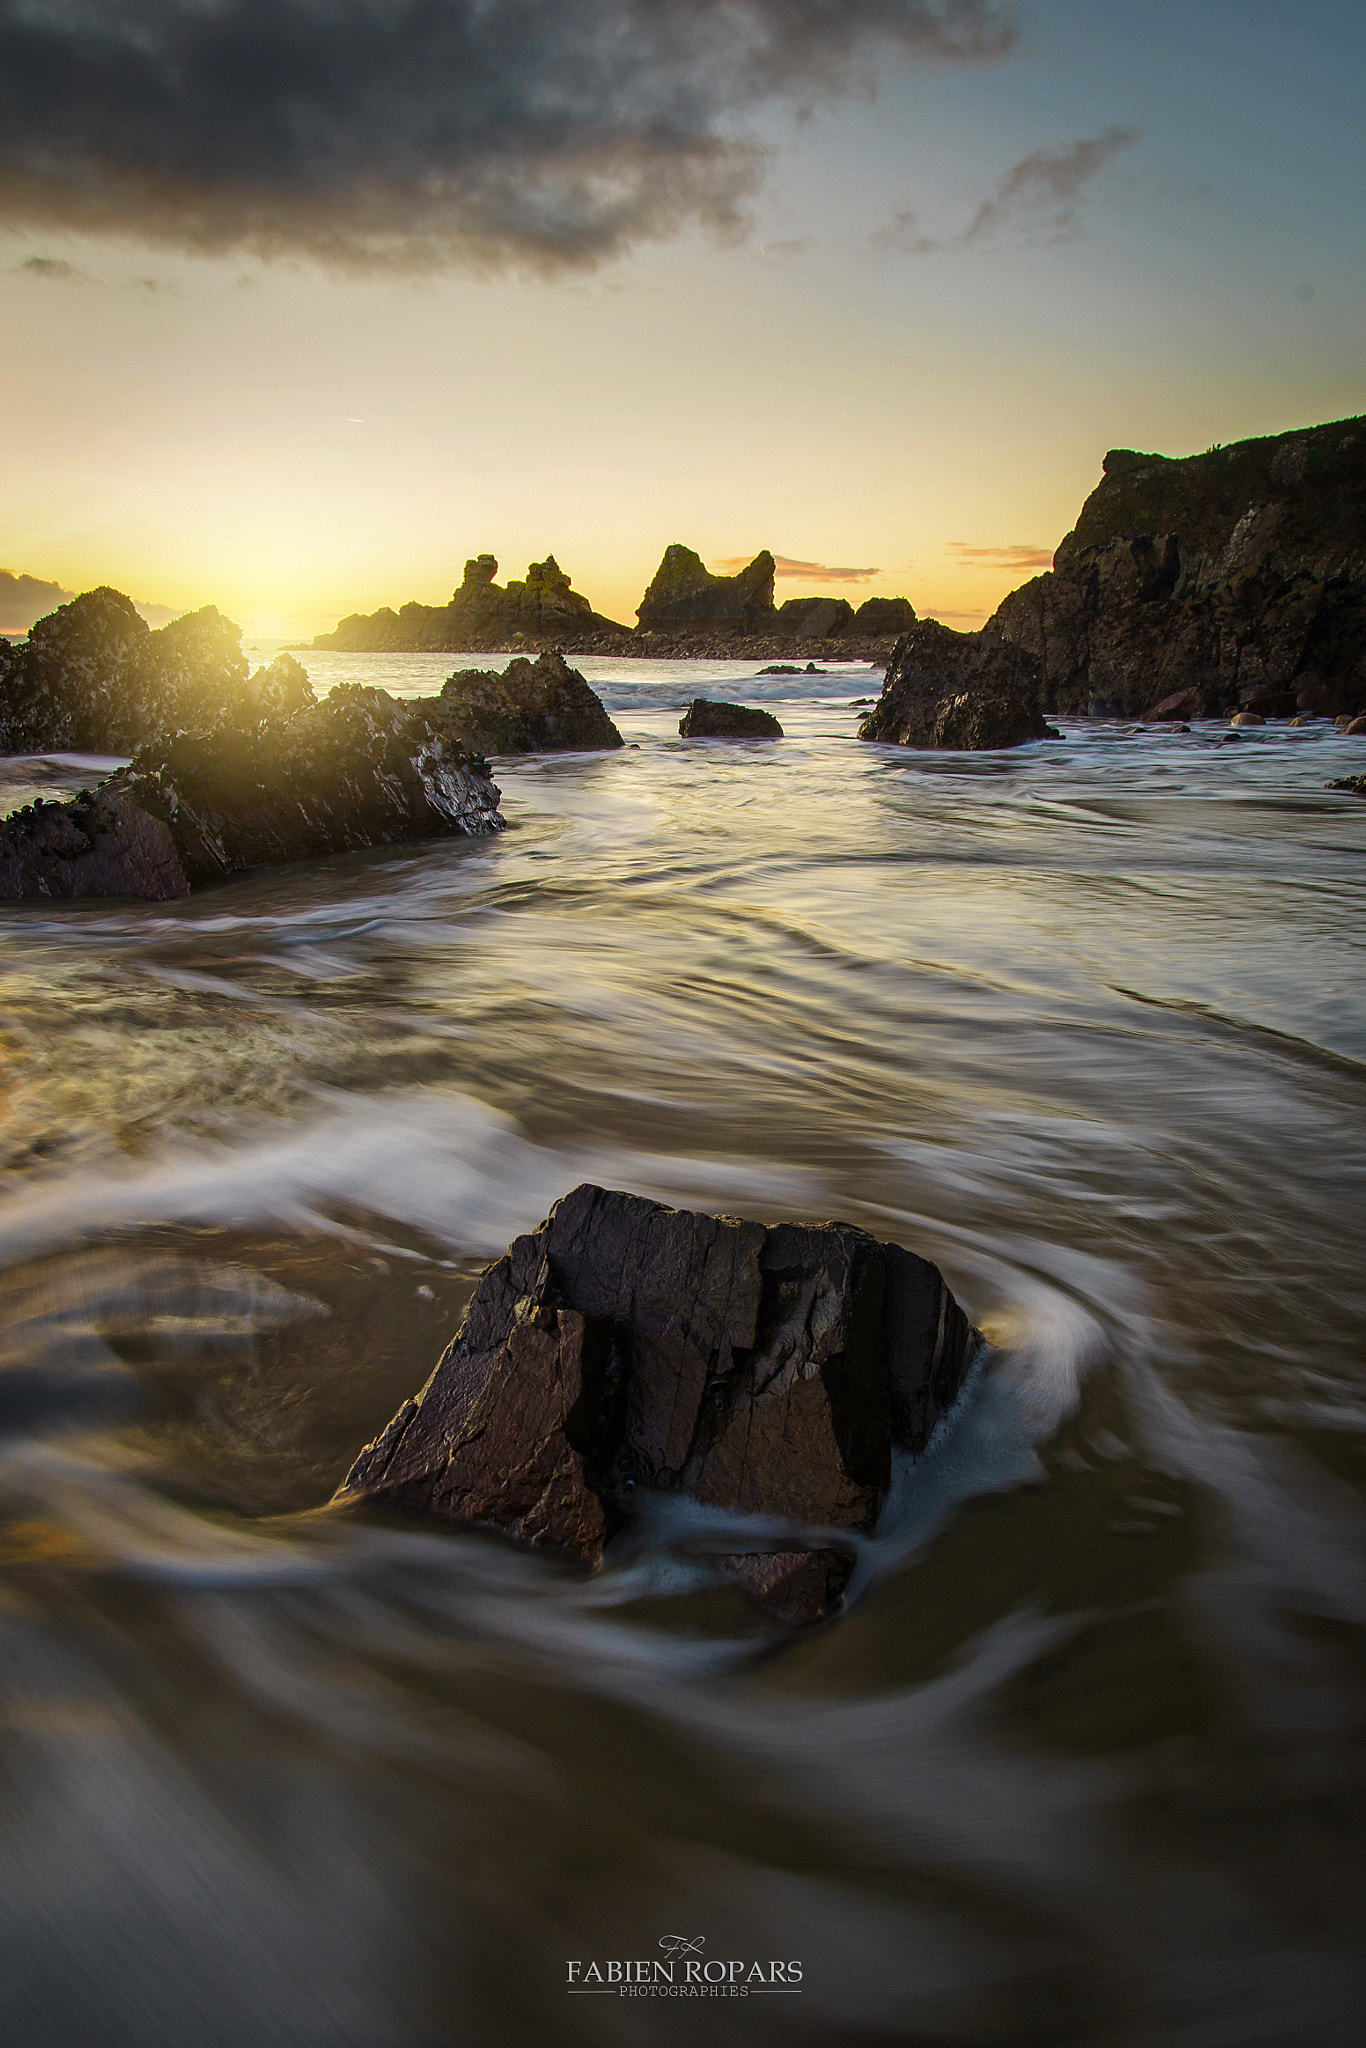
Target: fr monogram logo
(682,1944)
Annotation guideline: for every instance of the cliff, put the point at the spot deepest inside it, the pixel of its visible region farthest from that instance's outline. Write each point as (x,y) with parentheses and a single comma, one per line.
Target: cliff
(482,616)
(1203,583)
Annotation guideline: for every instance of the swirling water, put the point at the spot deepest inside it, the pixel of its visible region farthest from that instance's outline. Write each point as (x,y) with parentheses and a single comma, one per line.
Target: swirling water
(1081,1763)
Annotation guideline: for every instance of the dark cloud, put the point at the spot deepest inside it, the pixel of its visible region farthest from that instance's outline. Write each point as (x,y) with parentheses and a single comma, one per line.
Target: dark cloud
(1022,554)
(425,133)
(807,572)
(26,598)
(1040,194)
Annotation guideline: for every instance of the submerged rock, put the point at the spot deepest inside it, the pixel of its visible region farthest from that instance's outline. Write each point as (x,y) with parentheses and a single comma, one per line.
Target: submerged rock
(957,690)
(624,1347)
(94,678)
(707,719)
(1232,578)
(1355,785)
(540,706)
(359,769)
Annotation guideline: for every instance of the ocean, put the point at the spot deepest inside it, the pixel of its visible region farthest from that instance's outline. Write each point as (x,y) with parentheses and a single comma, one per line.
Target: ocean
(1082,1761)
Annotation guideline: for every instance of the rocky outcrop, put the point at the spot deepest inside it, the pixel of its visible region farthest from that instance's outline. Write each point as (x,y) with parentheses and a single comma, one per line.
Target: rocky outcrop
(957,690)
(94,678)
(884,615)
(482,616)
(100,845)
(815,618)
(684,594)
(1355,785)
(706,719)
(540,706)
(1233,578)
(625,1348)
(359,769)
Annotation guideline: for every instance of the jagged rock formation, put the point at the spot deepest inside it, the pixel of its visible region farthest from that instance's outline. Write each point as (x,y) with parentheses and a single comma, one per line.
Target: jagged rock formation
(532,707)
(706,719)
(957,690)
(359,769)
(1194,585)
(100,845)
(481,616)
(684,594)
(94,678)
(625,1347)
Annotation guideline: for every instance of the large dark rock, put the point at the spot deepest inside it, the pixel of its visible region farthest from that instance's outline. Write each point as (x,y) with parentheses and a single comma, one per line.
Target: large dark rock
(957,690)
(540,706)
(359,769)
(884,615)
(1237,577)
(100,845)
(684,594)
(815,618)
(624,1347)
(706,719)
(94,678)
(481,615)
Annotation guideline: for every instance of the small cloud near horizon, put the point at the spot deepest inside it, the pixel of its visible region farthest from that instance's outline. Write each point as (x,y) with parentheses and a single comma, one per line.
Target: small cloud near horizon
(787,569)
(1039,194)
(54,268)
(1022,554)
(799,245)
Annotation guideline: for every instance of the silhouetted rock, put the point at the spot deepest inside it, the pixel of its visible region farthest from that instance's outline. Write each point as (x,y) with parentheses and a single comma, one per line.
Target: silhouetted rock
(957,690)
(480,615)
(705,719)
(94,678)
(685,594)
(625,1347)
(884,615)
(540,706)
(793,668)
(100,845)
(815,618)
(359,769)
(1355,785)
(1237,577)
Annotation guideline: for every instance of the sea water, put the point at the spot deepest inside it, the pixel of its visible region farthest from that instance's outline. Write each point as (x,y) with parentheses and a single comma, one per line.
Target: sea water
(1082,1761)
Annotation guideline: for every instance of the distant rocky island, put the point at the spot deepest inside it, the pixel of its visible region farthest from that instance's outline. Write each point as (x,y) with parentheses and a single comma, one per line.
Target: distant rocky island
(685,612)
(1190,587)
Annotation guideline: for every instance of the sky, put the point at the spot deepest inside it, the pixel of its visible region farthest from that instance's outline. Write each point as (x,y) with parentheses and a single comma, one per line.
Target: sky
(303,305)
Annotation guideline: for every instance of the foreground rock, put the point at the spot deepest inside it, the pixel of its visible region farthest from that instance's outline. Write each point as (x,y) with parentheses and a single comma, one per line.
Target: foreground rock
(1355,785)
(93,678)
(482,616)
(540,706)
(957,690)
(1195,586)
(625,1347)
(358,770)
(100,845)
(707,719)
